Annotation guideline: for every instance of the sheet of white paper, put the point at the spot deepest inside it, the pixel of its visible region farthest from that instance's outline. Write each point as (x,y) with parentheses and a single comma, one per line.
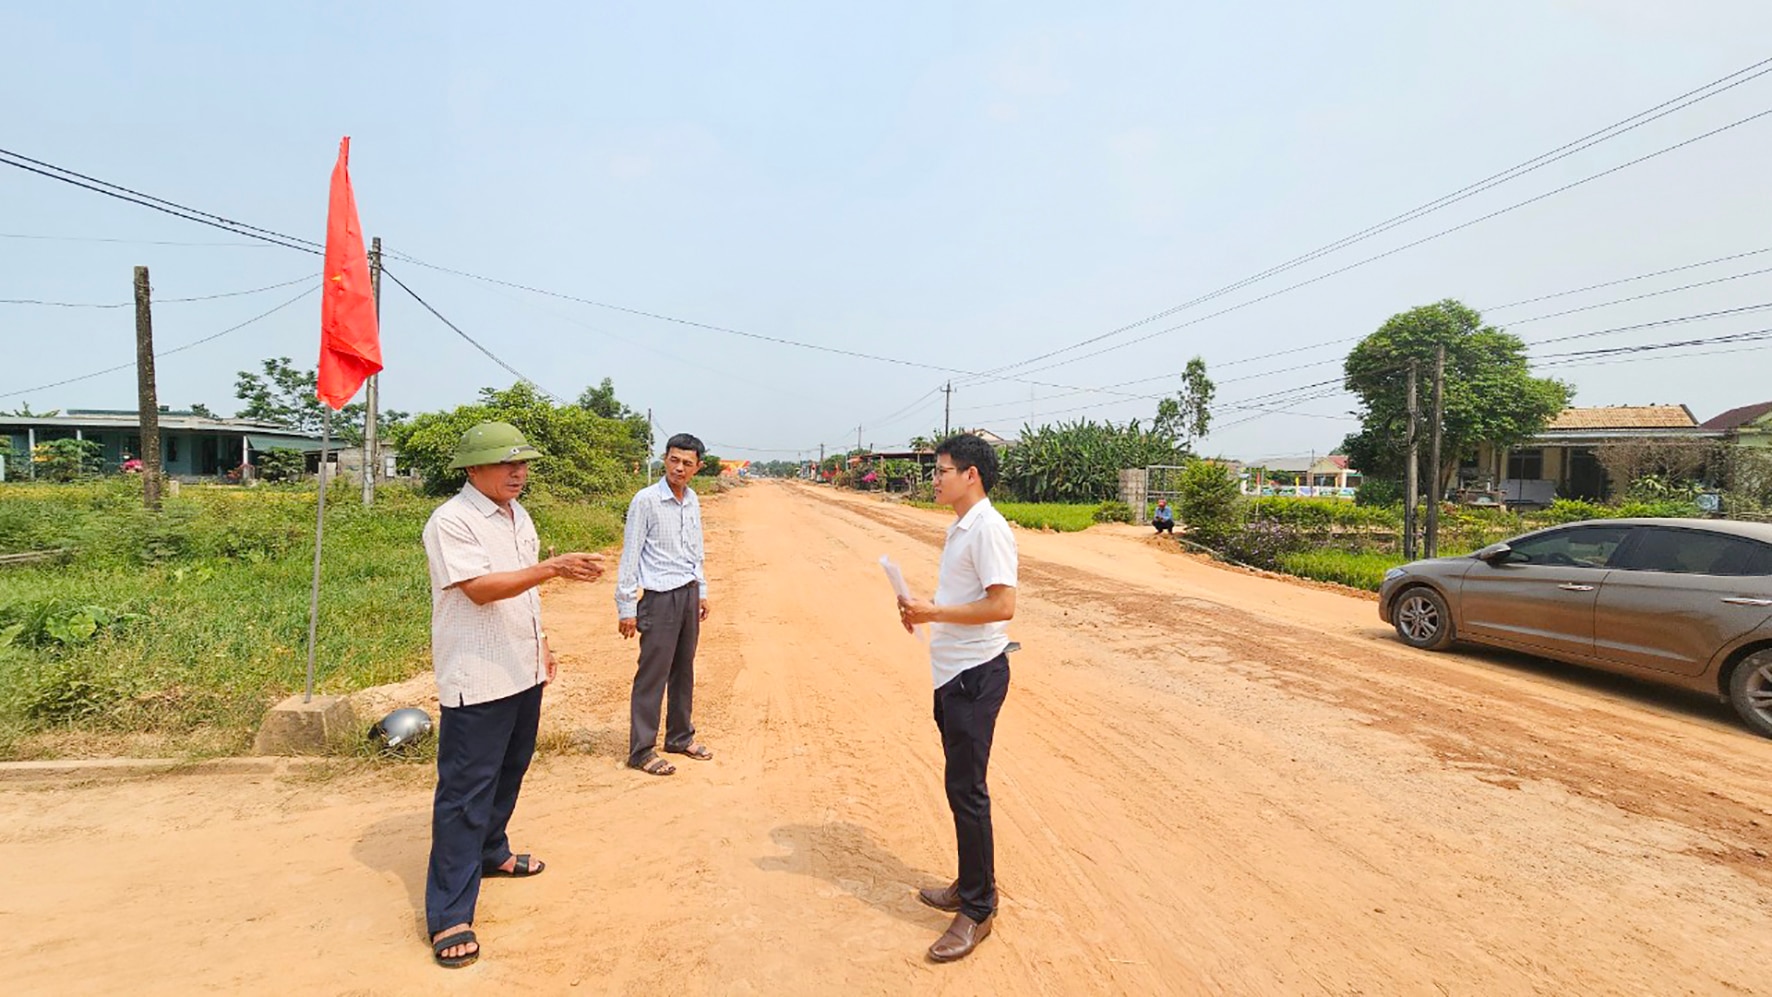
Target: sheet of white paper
(896,577)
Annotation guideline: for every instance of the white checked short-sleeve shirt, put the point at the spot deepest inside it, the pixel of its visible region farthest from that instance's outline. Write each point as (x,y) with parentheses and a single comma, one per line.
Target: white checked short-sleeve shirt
(980,552)
(482,653)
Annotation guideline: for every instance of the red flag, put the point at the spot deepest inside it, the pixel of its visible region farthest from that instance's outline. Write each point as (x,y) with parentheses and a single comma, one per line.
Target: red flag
(350,341)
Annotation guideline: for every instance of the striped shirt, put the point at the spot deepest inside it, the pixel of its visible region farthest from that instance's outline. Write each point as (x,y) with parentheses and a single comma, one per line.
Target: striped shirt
(661,548)
(482,653)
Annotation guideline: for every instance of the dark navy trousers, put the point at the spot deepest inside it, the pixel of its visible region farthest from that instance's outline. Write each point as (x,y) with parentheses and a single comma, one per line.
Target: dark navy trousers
(482,753)
(966,711)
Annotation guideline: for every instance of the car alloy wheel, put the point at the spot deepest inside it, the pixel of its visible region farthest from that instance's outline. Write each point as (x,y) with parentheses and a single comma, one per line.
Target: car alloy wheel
(1750,691)
(1422,619)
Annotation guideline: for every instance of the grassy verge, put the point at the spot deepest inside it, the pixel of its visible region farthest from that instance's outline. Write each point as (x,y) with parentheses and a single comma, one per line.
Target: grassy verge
(187,624)
(1362,571)
(1065,517)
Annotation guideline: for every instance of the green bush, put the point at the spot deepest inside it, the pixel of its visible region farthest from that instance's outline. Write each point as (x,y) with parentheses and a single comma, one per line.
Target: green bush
(67,460)
(586,454)
(1208,501)
(1571,510)
(1379,492)
(281,464)
(1260,544)
(1322,513)
(1113,511)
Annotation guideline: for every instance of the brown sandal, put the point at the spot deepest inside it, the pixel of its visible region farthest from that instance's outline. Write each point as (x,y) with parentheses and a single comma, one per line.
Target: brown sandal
(654,765)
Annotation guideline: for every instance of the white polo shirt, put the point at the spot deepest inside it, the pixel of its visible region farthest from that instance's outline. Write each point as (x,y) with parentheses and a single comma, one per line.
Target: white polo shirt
(979,553)
(482,653)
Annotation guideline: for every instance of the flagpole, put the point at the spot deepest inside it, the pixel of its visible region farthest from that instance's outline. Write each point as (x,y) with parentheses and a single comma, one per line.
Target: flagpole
(319,534)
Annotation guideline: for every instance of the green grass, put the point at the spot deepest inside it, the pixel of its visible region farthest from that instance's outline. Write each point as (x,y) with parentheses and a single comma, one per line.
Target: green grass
(1065,517)
(201,611)
(1362,571)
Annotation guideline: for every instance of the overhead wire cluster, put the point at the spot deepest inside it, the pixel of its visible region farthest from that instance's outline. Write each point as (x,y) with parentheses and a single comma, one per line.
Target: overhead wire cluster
(1281,401)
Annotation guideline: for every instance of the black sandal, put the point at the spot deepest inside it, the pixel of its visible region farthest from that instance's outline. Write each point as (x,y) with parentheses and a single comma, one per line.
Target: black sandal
(451,941)
(524,866)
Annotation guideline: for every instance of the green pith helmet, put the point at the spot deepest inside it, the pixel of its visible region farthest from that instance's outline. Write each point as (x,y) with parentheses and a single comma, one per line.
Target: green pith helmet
(492,443)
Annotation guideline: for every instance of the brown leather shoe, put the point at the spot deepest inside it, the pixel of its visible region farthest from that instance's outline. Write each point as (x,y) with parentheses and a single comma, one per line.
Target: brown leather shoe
(961,938)
(947,898)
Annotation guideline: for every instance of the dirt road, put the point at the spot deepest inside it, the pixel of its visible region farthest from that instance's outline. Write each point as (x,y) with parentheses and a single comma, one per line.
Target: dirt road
(1204,782)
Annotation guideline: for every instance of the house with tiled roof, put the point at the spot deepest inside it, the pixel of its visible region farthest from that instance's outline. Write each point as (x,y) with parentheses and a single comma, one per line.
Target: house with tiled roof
(1561,460)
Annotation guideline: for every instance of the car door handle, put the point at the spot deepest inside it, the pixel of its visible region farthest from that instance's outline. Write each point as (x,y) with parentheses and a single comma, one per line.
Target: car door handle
(1572,587)
(1742,600)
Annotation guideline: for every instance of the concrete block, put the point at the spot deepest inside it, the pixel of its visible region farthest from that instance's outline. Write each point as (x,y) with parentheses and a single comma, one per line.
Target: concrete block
(293,727)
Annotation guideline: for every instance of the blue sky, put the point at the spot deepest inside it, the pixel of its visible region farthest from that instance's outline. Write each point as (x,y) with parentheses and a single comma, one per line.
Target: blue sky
(964,186)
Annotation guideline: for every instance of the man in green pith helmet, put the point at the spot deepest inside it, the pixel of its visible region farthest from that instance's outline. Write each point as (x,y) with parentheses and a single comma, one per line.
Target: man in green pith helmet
(492,659)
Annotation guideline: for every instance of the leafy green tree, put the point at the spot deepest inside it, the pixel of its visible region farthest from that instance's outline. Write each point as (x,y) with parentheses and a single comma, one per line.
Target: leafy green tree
(1491,396)
(200,409)
(24,412)
(710,466)
(601,400)
(284,395)
(586,454)
(1188,415)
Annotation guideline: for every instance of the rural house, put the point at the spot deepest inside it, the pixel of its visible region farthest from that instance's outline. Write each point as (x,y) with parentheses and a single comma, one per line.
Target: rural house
(192,447)
(1562,460)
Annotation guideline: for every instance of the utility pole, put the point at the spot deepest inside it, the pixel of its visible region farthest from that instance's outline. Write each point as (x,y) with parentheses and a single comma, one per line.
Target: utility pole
(820,473)
(649,434)
(147,397)
(858,439)
(1433,461)
(947,410)
(372,391)
(1411,482)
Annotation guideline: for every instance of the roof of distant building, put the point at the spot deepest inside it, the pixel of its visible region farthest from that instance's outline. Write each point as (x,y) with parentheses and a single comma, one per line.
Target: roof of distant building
(1735,418)
(1624,417)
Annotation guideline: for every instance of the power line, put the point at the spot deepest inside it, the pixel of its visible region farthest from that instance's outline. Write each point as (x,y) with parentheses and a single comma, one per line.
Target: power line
(514,372)
(1587,141)
(157,301)
(1410,245)
(710,327)
(129,242)
(177,210)
(164,353)
(1627,280)
(1485,309)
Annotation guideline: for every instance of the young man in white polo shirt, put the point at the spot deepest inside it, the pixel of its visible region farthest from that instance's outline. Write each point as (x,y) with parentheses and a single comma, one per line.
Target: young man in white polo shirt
(491,659)
(969,620)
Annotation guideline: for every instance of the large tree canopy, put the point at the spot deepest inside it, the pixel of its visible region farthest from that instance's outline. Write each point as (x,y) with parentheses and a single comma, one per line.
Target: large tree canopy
(586,454)
(284,395)
(1491,395)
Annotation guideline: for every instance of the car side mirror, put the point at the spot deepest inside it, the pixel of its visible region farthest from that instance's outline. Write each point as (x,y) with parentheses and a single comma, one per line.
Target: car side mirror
(1494,554)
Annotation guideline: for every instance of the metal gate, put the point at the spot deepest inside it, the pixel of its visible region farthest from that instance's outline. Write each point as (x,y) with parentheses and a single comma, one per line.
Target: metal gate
(1161,481)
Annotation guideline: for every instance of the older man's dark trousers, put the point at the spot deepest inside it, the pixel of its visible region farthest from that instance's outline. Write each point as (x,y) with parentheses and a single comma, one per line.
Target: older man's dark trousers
(670,625)
(966,711)
(482,752)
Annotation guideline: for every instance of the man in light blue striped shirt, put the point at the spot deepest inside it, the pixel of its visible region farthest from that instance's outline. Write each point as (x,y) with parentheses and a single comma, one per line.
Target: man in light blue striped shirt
(661,593)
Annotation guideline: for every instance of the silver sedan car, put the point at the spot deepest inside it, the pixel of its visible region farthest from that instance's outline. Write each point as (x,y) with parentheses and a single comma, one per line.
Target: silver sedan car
(1686,602)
